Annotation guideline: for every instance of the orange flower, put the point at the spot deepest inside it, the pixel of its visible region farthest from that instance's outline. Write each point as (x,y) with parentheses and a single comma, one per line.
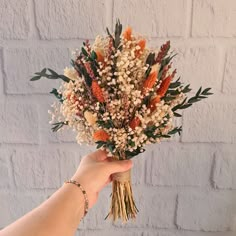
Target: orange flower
(100,57)
(100,135)
(153,102)
(141,44)
(127,33)
(97,91)
(149,82)
(164,86)
(134,123)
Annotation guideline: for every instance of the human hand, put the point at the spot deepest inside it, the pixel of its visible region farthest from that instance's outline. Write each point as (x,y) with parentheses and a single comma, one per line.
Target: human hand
(94,173)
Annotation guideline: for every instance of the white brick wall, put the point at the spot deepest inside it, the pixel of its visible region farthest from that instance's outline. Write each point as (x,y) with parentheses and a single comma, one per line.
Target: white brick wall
(186,187)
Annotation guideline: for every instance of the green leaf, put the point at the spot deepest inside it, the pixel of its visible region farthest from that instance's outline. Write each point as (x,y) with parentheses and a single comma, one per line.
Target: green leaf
(35,78)
(193,100)
(177,114)
(175,84)
(84,51)
(175,130)
(186,89)
(53,72)
(185,106)
(58,125)
(198,92)
(93,55)
(56,94)
(100,144)
(150,59)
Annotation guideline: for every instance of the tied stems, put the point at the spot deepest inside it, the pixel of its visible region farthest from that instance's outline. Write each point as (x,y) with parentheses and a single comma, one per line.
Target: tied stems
(122,203)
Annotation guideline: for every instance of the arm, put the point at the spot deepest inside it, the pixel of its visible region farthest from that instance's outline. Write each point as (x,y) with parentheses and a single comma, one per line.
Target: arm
(62,212)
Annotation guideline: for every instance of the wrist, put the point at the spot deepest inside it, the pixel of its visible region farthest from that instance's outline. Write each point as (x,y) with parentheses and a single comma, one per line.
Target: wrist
(82,190)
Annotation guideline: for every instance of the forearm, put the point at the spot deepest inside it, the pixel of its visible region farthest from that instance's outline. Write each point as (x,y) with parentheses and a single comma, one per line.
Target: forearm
(59,215)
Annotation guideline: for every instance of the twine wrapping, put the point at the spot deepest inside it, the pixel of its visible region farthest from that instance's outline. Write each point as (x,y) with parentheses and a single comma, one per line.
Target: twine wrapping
(122,177)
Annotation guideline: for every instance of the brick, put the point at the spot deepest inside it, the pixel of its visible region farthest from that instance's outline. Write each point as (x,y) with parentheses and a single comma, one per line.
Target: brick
(159,233)
(199,66)
(15,205)
(214,18)
(159,21)
(206,211)
(105,232)
(229,85)
(180,165)
(18,123)
(70,19)
(36,169)
(14,19)
(1,78)
(26,62)
(70,160)
(206,122)
(224,176)
(4,169)
(138,170)
(156,208)
(186,233)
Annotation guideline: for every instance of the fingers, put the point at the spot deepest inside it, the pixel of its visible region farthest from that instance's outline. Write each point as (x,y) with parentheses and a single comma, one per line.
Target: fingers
(99,155)
(119,166)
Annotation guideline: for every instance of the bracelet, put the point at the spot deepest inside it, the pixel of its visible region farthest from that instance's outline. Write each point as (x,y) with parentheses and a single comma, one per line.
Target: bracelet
(86,204)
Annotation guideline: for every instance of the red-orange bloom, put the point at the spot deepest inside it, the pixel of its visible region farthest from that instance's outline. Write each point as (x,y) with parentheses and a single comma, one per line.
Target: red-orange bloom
(164,86)
(101,135)
(141,44)
(97,91)
(127,33)
(149,82)
(134,123)
(100,57)
(153,102)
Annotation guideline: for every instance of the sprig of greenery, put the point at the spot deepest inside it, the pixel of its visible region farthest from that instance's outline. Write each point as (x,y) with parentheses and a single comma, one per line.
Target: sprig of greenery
(81,69)
(50,75)
(58,125)
(188,102)
(118,31)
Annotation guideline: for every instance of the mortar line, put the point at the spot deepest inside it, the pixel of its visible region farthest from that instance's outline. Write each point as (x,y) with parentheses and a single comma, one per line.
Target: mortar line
(34,30)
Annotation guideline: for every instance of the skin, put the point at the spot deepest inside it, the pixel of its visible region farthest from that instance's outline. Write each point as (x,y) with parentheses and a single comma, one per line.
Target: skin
(61,213)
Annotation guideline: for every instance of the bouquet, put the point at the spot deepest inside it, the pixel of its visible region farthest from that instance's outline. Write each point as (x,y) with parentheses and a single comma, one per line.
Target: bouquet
(120,95)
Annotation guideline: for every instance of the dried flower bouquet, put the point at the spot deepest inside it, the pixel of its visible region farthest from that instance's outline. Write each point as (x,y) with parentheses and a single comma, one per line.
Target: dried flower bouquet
(122,96)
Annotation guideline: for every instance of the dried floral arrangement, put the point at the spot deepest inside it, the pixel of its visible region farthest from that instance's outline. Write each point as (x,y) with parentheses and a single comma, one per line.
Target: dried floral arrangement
(120,95)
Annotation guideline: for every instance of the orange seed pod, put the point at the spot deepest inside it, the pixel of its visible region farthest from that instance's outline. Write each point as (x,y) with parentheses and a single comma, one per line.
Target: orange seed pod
(100,135)
(141,44)
(164,86)
(134,123)
(149,82)
(153,102)
(100,57)
(127,33)
(97,91)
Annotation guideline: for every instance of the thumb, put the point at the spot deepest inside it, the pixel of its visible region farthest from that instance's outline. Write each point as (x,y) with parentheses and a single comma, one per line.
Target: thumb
(120,166)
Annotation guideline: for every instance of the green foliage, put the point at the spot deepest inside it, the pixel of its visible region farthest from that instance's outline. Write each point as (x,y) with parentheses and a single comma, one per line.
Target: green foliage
(118,31)
(58,125)
(175,130)
(105,124)
(57,95)
(50,75)
(134,153)
(188,102)
(151,59)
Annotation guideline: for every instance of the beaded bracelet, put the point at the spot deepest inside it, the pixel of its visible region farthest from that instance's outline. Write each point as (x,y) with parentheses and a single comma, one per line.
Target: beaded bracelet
(86,204)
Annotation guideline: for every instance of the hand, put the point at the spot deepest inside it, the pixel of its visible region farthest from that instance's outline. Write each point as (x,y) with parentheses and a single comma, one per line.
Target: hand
(94,173)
